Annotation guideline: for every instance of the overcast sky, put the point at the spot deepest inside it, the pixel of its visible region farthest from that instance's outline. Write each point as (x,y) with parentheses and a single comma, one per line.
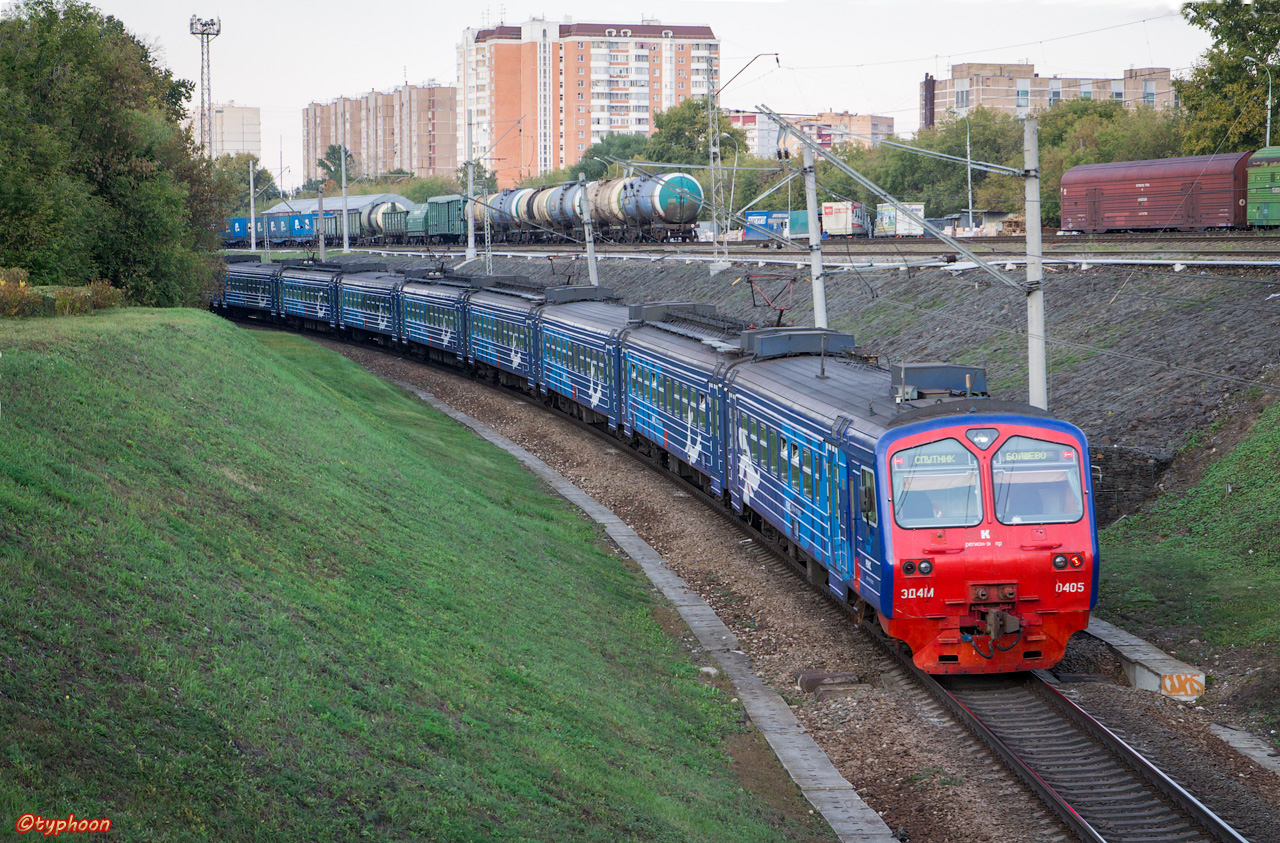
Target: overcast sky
(866,56)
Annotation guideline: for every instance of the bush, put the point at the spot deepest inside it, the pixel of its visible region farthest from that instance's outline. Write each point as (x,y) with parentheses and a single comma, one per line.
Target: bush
(15,275)
(16,298)
(102,295)
(72,302)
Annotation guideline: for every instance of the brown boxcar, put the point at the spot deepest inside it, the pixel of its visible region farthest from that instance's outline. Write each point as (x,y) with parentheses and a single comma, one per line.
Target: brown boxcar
(1187,194)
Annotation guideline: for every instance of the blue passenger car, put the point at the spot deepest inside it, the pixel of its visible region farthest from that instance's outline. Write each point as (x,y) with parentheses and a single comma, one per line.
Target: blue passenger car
(796,452)
(501,325)
(578,358)
(252,286)
(308,293)
(670,357)
(369,301)
(434,313)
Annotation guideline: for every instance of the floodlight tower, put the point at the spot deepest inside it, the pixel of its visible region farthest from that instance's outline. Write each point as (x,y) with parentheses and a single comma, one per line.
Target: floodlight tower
(206,31)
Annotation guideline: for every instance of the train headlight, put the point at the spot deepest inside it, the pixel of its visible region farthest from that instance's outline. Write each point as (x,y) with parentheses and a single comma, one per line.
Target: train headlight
(926,567)
(908,567)
(1076,560)
(1060,561)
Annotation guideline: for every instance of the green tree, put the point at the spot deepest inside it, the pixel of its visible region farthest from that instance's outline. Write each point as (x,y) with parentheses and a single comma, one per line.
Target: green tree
(98,118)
(485,181)
(1225,96)
(331,164)
(680,135)
(234,171)
(618,145)
(420,190)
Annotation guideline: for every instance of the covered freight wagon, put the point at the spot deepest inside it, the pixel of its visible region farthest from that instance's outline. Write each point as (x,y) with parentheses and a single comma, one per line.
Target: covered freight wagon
(1187,194)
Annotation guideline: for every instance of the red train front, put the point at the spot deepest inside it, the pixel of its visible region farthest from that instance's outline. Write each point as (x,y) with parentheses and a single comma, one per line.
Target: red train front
(990,550)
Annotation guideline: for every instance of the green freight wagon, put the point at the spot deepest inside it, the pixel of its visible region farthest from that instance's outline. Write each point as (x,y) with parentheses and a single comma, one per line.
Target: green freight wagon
(1263,199)
(445,222)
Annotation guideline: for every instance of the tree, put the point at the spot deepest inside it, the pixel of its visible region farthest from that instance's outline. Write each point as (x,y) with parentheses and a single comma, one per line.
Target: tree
(331,164)
(1225,95)
(613,145)
(234,171)
(681,135)
(485,181)
(90,121)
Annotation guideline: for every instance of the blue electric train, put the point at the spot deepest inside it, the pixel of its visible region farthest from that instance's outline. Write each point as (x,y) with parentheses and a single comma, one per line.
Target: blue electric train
(964,525)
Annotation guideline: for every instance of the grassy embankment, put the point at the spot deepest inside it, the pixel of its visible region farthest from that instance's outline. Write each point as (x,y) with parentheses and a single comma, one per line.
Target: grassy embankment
(252,593)
(1207,558)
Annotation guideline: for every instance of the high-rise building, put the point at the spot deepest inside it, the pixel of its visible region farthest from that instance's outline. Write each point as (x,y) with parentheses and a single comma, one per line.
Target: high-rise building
(541,93)
(413,128)
(236,129)
(1017,89)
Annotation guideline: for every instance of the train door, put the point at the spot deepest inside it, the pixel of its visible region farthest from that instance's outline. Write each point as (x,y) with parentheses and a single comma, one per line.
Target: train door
(839,522)
(1093,209)
(866,530)
(1190,207)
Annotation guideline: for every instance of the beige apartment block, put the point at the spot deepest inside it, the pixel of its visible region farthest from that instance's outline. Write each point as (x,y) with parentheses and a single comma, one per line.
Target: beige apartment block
(540,93)
(236,129)
(413,128)
(1017,89)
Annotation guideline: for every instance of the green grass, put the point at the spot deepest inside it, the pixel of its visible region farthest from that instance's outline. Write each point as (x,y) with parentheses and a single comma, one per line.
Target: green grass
(253,593)
(1207,557)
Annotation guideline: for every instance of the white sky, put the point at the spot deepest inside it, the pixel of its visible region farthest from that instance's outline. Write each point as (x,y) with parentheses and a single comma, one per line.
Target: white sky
(866,56)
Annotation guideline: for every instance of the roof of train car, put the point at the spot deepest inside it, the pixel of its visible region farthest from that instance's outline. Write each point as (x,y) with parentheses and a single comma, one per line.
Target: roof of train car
(309,273)
(436,287)
(384,280)
(333,204)
(1195,166)
(599,316)
(253,269)
(687,350)
(854,390)
(496,300)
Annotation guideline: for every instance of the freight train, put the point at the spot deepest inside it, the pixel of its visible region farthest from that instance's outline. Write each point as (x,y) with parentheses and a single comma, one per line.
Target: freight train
(662,208)
(1227,191)
(963,525)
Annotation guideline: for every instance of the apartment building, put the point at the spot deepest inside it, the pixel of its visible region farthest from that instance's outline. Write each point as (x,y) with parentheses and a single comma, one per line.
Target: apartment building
(1017,89)
(828,128)
(539,94)
(236,129)
(412,128)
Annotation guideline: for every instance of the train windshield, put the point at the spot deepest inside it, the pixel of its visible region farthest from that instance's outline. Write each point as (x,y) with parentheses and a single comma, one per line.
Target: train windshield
(936,485)
(1037,482)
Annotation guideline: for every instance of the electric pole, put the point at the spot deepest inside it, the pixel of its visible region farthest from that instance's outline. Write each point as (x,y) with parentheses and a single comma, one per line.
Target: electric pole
(588,230)
(468,207)
(206,31)
(253,234)
(815,241)
(1037,372)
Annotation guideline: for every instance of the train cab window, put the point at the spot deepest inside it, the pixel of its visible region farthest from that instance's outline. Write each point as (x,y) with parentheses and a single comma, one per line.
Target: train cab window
(1037,482)
(936,485)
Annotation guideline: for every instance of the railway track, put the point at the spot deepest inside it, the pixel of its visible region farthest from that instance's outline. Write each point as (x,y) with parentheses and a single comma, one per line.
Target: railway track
(1100,788)
(1098,785)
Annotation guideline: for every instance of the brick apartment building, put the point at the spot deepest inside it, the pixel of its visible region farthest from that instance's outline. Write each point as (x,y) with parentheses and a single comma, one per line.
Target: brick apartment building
(541,93)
